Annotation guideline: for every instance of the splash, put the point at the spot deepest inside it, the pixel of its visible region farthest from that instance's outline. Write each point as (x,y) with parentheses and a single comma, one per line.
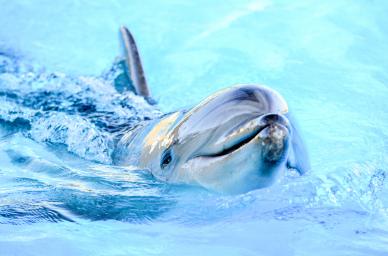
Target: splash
(82,113)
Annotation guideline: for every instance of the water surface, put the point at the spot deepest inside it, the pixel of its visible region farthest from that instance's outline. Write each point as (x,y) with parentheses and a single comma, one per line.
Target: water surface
(59,193)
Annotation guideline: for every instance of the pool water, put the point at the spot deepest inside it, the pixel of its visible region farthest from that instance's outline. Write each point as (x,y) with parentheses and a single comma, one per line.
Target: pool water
(59,192)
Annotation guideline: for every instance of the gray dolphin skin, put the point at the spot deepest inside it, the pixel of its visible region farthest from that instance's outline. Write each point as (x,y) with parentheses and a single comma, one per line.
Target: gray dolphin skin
(134,68)
(238,139)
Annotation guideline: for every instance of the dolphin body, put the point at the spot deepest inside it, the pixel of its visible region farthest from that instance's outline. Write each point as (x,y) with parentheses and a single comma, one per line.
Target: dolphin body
(236,140)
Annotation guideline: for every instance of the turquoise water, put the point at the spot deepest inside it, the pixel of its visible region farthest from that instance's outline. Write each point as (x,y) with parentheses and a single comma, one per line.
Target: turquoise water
(59,193)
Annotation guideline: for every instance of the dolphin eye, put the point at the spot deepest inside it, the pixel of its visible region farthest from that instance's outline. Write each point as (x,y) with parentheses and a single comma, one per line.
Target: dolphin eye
(166,159)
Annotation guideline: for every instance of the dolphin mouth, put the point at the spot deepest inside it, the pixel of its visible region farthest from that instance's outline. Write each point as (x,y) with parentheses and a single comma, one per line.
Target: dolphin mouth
(264,122)
(238,145)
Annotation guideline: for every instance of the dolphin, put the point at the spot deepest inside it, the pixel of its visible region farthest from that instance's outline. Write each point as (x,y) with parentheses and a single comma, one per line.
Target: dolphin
(236,140)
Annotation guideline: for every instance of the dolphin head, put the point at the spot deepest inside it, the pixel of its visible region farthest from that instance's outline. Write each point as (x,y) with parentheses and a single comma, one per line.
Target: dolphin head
(234,141)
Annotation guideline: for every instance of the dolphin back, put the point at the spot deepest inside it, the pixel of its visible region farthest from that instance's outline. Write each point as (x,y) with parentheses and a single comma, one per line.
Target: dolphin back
(129,145)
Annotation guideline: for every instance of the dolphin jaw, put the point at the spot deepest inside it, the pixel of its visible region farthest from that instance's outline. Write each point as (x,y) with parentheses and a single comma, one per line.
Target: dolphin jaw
(272,133)
(253,164)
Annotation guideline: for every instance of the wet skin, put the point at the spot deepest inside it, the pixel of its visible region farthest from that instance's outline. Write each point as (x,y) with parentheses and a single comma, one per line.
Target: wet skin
(236,140)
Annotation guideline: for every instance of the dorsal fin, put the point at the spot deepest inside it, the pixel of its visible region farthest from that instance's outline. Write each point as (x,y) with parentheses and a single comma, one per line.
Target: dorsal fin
(133,64)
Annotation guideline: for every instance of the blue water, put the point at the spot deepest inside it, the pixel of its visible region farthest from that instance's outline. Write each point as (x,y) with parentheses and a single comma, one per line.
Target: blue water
(59,193)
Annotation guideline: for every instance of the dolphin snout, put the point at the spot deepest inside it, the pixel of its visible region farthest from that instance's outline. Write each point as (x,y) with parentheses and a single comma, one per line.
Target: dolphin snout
(270,119)
(275,137)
